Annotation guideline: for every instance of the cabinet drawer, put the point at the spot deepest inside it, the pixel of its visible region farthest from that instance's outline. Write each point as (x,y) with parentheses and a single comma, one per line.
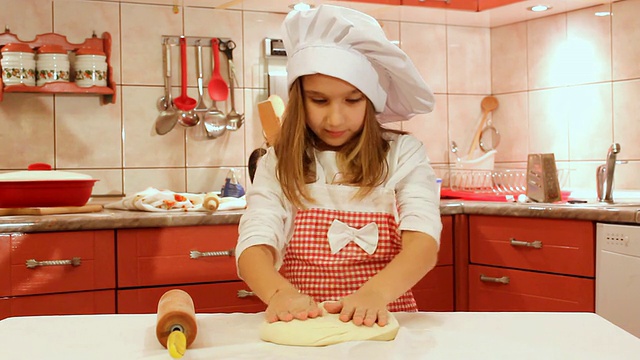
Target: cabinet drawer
(566,246)
(435,291)
(161,256)
(207,298)
(528,291)
(80,303)
(95,269)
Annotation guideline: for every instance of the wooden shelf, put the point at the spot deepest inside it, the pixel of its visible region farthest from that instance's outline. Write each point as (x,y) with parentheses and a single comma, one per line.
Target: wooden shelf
(108,93)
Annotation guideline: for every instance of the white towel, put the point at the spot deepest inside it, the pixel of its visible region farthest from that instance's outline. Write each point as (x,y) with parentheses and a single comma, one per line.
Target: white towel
(156,200)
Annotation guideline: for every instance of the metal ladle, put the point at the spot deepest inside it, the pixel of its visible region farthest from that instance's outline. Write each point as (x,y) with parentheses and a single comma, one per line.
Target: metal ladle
(183,102)
(168,118)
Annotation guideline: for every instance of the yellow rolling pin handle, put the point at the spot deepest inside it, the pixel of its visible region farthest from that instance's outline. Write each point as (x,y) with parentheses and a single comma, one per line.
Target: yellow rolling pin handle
(177,344)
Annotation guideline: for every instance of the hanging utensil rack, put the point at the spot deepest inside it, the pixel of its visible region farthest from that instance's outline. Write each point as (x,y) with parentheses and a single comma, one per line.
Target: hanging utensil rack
(191,40)
(202,41)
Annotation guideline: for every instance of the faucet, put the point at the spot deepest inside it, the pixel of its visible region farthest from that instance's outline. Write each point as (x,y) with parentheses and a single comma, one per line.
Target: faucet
(604,175)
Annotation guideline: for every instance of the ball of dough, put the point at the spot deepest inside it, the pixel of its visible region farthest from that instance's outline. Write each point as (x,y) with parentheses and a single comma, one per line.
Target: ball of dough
(325,330)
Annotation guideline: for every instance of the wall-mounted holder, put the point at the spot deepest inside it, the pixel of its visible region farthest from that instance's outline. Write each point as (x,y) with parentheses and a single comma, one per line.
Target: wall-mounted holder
(211,118)
(191,40)
(103,44)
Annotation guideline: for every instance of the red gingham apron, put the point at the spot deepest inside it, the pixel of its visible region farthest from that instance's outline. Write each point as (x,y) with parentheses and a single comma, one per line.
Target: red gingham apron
(308,262)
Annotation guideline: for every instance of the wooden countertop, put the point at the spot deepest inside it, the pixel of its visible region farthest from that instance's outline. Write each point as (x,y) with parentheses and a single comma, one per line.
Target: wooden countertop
(119,219)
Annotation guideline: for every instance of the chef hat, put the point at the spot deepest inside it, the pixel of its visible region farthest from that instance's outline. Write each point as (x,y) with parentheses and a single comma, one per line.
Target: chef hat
(349,45)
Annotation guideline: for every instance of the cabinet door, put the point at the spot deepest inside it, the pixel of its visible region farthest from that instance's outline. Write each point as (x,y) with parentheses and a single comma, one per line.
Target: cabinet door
(91,252)
(163,256)
(226,297)
(435,291)
(79,303)
(549,245)
(445,254)
(498,289)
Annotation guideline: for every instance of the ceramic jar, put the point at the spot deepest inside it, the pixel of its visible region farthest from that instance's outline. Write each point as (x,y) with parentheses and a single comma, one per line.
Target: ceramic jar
(52,64)
(90,68)
(18,65)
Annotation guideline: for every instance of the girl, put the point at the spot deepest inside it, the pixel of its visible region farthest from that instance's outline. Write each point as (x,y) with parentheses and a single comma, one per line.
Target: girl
(342,210)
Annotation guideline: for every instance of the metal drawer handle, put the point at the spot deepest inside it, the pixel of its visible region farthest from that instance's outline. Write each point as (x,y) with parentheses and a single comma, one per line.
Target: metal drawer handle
(534,244)
(502,280)
(33,263)
(245,293)
(194,254)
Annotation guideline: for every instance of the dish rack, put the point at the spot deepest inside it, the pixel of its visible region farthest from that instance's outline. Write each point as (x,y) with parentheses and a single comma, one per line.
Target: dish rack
(496,181)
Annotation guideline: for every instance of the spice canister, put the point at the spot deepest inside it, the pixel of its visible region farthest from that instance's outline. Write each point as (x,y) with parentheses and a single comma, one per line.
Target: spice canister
(52,64)
(18,64)
(90,68)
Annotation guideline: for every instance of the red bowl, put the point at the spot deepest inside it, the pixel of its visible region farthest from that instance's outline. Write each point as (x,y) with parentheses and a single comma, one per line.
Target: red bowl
(45,193)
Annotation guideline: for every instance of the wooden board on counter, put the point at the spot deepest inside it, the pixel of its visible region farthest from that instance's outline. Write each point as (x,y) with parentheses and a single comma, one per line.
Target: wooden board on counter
(50,210)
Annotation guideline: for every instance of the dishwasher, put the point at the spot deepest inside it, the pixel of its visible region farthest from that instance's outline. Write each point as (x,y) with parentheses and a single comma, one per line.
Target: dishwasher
(618,275)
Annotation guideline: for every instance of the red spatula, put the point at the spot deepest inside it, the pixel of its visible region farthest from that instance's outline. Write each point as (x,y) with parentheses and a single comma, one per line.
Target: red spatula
(218,88)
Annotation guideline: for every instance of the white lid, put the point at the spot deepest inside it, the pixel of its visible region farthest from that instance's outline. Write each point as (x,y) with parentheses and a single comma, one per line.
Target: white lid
(39,172)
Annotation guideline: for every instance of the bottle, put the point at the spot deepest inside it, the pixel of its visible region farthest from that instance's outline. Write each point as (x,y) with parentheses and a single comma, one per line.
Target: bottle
(231,187)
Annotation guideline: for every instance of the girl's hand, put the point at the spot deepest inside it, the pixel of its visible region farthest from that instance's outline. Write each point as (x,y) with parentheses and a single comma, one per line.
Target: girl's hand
(363,308)
(286,305)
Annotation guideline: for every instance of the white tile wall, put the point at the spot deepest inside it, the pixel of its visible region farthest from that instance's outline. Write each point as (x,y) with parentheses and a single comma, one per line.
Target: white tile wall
(544,107)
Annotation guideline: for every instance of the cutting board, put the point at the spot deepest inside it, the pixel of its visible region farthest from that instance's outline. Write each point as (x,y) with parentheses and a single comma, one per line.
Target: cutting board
(50,210)
(270,120)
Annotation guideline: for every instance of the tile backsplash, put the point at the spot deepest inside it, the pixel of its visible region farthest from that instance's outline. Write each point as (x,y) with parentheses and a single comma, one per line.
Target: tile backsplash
(566,83)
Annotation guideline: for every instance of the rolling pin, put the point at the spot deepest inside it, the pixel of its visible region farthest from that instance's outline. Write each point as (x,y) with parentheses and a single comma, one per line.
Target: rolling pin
(176,326)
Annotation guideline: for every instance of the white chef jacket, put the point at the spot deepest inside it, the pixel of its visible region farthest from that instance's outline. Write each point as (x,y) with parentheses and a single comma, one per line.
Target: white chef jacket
(269,215)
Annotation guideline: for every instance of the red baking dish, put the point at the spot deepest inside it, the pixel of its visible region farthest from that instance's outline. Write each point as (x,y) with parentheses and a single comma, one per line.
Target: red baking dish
(42,187)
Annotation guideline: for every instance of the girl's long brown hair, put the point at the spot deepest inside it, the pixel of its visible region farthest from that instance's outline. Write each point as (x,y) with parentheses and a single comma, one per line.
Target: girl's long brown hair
(362,160)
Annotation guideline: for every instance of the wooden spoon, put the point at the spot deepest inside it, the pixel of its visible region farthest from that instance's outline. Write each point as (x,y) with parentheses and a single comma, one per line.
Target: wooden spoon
(184,102)
(488,104)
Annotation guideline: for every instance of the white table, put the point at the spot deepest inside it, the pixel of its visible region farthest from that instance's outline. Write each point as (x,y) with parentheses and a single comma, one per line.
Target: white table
(455,335)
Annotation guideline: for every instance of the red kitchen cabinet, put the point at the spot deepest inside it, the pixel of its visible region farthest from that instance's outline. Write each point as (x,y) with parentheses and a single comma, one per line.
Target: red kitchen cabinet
(534,244)
(435,291)
(224,297)
(526,264)
(84,303)
(197,259)
(176,255)
(68,272)
(500,289)
(42,263)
